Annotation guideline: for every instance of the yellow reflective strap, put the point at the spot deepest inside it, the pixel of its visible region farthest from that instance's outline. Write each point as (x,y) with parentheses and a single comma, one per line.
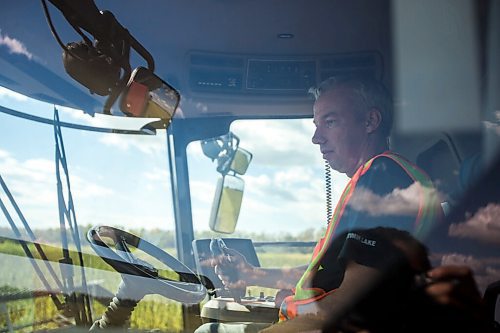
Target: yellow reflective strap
(424,223)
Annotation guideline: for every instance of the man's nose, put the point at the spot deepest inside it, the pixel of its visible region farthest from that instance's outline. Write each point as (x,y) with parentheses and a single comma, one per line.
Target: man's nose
(317,138)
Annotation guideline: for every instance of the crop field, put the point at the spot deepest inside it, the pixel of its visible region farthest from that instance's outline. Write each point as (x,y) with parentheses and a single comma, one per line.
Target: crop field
(153,312)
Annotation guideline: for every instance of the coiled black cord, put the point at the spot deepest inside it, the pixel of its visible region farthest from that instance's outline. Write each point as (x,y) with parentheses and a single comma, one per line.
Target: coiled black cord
(328,190)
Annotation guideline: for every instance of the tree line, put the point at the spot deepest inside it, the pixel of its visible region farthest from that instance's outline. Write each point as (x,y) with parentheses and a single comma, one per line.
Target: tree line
(166,238)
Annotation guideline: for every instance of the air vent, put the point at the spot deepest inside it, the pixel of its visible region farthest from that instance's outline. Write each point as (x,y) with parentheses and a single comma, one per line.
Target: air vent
(367,64)
(215,80)
(216,61)
(216,73)
(275,75)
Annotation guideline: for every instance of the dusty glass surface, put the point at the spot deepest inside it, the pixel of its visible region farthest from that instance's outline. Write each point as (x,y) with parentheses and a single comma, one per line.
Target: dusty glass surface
(244,68)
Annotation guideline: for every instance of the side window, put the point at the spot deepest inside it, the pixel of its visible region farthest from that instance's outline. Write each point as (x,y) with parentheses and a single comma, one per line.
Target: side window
(284,186)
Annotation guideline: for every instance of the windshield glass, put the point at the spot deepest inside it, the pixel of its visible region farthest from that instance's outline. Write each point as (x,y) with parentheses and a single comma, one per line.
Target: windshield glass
(231,165)
(106,183)
(286,172)
(108,187)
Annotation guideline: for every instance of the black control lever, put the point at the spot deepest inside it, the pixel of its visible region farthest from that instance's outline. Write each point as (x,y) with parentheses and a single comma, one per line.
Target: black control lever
(219,248)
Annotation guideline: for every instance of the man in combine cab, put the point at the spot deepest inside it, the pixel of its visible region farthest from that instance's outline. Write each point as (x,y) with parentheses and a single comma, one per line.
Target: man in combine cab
(353,119)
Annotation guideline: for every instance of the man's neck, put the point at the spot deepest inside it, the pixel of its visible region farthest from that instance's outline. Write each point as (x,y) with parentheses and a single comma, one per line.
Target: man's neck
(373,149)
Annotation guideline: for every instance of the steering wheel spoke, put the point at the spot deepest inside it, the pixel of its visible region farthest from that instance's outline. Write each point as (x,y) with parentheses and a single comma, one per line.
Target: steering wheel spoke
(124,251)
(124,261)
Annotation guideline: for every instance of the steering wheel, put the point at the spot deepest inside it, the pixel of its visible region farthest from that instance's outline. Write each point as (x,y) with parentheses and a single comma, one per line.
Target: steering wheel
(135,270)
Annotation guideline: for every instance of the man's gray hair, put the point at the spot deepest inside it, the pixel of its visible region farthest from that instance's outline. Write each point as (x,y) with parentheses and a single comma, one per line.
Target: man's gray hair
(372,94)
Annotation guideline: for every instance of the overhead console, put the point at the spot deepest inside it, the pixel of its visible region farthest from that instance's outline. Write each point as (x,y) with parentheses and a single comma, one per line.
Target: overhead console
(214,73)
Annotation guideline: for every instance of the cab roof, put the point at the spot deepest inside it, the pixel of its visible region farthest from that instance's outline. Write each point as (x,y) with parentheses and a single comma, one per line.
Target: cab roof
(241,58)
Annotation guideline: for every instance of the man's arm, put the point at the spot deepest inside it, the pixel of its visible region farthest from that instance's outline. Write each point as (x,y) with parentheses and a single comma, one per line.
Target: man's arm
(249,275)
(358,279)
(279,278)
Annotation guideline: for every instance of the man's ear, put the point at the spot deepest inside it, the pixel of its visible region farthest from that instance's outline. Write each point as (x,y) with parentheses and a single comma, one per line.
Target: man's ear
(373,120)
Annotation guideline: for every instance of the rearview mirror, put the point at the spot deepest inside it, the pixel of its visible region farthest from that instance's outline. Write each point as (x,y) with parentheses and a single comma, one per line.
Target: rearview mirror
(227,203)
(241,161)
(148,96)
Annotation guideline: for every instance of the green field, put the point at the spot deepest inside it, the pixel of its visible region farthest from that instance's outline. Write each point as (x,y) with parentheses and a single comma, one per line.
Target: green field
(153,312)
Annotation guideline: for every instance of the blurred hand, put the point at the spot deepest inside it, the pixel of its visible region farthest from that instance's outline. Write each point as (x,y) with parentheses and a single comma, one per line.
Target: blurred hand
(233,269)
(454,286)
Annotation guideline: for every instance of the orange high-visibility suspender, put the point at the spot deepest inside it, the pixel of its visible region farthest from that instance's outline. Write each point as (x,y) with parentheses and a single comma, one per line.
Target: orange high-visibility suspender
(428,212)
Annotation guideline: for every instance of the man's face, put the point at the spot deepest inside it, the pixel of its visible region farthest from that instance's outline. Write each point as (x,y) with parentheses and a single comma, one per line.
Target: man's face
(341,133)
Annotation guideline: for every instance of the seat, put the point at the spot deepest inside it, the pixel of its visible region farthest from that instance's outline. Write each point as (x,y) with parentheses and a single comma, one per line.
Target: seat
(491,299)
(441,162)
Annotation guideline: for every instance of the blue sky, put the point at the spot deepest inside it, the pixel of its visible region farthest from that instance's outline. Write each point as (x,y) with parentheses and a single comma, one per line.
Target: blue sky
(103,168)
(123,180)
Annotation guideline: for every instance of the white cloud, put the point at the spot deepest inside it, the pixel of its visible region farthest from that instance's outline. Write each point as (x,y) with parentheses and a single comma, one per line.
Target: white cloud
(272,142)
(493,126)
(6,93)
(274,215)
(484,225)
(32,170)
(89,190)
(460,259)
(293,176)
(202,191)
(32,183)
(486,269)
(156,174)
(398,202)
(15,46)
(157,178)
(194,151)
(4,154)
(65,111)
(29,182)
(294,183)
(151,145)
(293,197)
(282,189)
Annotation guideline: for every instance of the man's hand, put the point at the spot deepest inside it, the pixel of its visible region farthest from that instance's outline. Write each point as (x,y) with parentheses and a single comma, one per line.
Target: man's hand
(235,272)
(454,286)
(233,269)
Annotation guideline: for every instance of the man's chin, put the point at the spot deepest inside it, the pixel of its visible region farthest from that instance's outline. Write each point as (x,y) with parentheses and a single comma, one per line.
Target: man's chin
(335,166)
(338,168)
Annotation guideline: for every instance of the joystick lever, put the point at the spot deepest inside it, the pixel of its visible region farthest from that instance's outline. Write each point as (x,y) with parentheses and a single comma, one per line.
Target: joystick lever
(218,248)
